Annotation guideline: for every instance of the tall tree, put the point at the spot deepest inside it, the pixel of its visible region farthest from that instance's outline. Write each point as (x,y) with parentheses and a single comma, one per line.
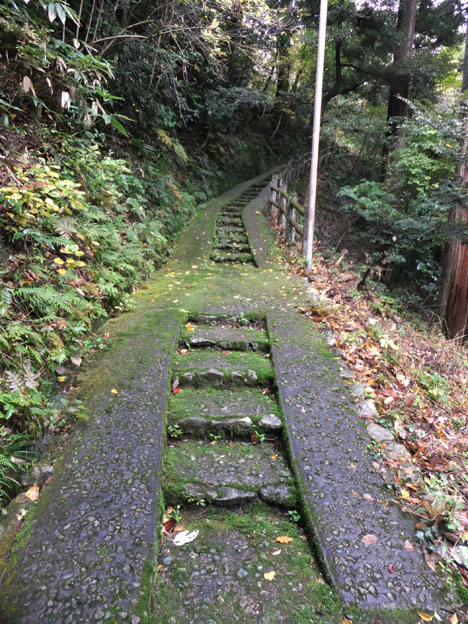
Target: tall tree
(454,299)
(401,73)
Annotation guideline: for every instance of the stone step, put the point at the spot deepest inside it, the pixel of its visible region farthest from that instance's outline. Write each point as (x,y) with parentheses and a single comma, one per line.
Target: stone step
(237,238)
(233,257)
(232,246)
(205,367)
(226,221)
(231,413)
(228,474)
(231,228)
(226,338)
(219,577)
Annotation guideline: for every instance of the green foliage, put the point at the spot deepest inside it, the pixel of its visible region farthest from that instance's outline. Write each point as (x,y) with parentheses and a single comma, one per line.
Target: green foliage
(82,229)
(14,456)
(403,220)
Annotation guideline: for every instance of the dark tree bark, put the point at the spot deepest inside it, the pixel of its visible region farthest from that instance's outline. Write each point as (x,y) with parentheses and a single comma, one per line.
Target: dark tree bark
(454,295)
(401,77)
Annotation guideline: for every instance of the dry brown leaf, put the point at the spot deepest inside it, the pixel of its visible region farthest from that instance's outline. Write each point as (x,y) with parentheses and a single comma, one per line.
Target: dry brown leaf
(33,493)
(409,546)
(284,539)
(368,497)
(368,540)
(425,616)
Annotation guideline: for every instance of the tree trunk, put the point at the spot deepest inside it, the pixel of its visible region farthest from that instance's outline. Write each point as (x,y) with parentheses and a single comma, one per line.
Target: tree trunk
(400,82)
(454,295)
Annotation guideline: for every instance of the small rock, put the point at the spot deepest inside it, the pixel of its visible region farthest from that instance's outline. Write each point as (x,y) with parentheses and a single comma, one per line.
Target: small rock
(252,375)
(234,425)
(167,560)
(346,373)
(200,341)
(379,433)
(270,422)
(242,573)
(195,425)
(188,377)
(212,374)
(410,472)
(135,619)
(460,554)
(230,497)
(397,452)
(367,409)
(358,390)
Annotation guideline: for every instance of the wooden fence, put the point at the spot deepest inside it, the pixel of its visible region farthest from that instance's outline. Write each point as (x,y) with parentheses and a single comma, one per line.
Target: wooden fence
(284,210)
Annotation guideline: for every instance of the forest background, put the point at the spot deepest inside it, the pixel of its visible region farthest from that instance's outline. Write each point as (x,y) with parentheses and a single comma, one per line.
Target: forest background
(119,117)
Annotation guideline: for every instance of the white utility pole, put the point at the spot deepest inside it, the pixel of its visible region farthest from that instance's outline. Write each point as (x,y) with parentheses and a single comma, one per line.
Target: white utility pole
(310,217)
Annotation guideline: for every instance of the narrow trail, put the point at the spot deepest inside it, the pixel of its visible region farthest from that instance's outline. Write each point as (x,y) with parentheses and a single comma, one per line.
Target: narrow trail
(218,399)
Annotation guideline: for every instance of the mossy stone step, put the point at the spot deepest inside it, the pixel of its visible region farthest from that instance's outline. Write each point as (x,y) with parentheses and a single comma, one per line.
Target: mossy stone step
(232,246)
(227,220)
(232,257)
(231,229)
(232,338)
(204,367)
(234,238)
(232,413)
(228,474)
(219,577)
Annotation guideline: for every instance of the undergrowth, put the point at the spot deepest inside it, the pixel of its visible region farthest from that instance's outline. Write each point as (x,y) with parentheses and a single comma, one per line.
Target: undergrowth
(79,229)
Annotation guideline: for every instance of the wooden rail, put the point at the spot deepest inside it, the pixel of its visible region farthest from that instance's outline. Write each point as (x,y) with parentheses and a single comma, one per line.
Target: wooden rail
(283,208)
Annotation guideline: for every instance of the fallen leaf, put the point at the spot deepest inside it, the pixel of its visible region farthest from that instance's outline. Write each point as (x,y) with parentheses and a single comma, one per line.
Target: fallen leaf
(168,527)
(160,567)
(185,537)
(391,568)
(33,493)
(61,379)
(368,540)
(454,619)
(425,616)
(368,497)
(114,391)
(404,494)
(284,539)
(346,621)
(175,384)
(269,576)
(409,546)
(276,552)
(76,360)
(176,391)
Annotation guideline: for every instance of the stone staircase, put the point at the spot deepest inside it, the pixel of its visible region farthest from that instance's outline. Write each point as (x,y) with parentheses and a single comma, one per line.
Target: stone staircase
(231,243)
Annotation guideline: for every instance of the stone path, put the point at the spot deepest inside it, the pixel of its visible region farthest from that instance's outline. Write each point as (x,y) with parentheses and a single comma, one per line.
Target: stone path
(218,399)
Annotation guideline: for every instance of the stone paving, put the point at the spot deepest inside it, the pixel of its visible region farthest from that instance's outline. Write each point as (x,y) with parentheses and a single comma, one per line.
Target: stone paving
(218,399)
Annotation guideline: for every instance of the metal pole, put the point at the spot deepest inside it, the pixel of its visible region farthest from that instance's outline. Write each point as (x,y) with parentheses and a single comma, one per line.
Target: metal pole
(309,232)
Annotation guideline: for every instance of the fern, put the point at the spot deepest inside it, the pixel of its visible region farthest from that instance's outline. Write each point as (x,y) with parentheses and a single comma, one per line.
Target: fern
(44,299)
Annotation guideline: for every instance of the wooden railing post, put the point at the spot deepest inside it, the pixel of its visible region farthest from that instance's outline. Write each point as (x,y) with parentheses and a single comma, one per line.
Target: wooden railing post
(290,229)
(273,195)
(283,205)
